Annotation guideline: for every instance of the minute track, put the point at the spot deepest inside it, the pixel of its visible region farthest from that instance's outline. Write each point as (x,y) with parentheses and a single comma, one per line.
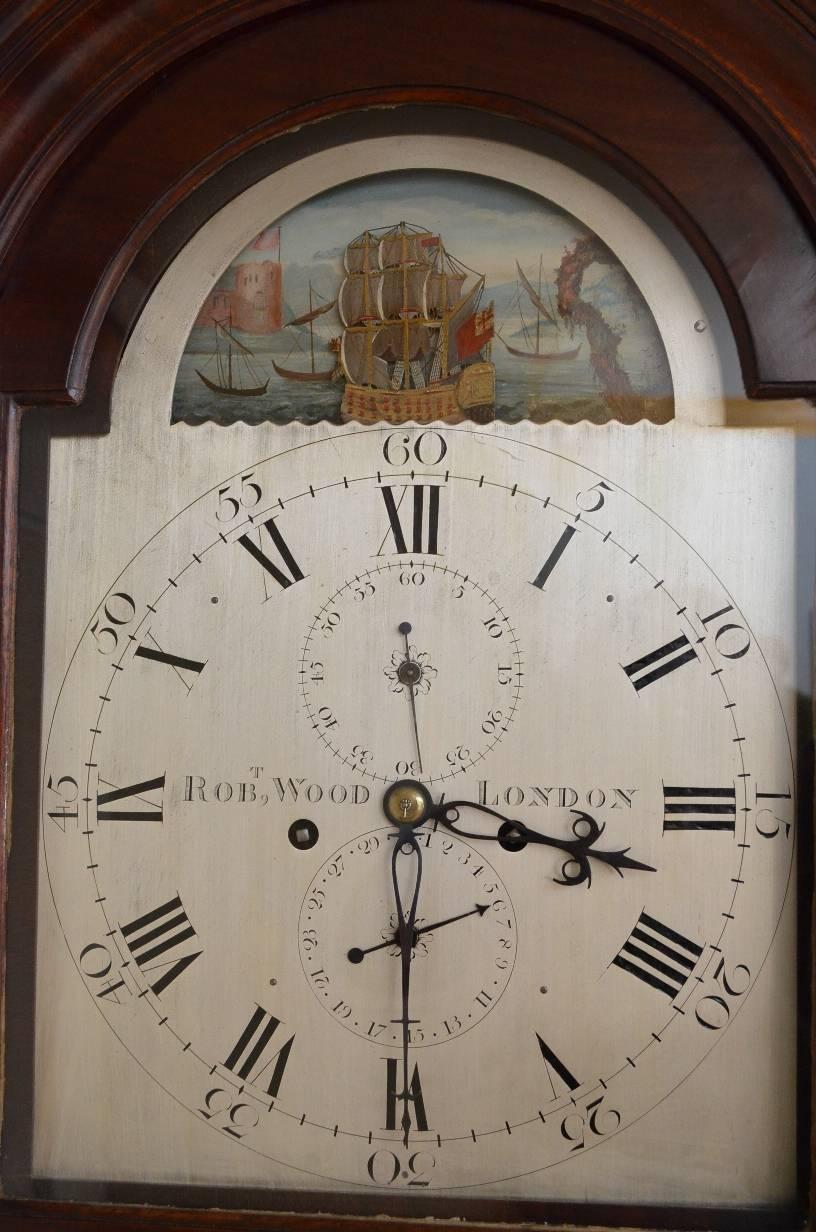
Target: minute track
(522,1119)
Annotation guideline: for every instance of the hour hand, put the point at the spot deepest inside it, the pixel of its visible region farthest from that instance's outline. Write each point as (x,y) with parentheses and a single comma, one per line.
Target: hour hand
(514,835)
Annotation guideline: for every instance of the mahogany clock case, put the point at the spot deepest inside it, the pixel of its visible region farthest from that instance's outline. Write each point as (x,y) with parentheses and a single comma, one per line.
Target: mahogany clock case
(64,370)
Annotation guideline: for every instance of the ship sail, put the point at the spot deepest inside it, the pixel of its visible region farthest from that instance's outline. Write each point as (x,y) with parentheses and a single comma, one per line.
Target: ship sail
(237,375)
(545,311)
(462,313)
(535,296)
(312,315)
(402,290)
(442,291)
(357,300)
(404,302)
(313,373)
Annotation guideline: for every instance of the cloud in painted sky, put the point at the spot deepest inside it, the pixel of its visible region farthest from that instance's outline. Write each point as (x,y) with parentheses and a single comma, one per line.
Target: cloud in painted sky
(487,224)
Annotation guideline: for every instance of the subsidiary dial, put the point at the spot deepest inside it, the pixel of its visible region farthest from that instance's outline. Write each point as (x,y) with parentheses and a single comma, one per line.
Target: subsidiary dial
(464,939)
(411,668)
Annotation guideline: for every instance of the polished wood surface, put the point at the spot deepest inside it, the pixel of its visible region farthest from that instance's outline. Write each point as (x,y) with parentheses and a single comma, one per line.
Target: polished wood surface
(123,124)
(112,117)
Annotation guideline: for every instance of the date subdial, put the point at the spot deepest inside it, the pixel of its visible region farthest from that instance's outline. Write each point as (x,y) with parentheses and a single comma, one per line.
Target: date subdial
(460,668)
(464,939)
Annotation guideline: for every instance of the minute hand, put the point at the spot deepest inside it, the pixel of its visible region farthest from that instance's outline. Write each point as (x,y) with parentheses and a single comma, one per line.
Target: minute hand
(580,850)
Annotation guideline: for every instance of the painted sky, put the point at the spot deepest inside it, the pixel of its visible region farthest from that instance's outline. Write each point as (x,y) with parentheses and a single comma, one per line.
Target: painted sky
(484,223)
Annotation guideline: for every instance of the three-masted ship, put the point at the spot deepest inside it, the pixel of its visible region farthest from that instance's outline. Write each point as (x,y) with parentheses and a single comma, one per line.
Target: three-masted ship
(415,344)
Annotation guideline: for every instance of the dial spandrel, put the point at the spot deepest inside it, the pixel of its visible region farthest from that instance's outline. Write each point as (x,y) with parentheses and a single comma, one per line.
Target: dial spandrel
(521,636)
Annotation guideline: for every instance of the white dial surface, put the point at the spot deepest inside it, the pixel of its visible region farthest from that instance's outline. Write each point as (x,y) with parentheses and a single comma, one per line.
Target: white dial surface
(609,847)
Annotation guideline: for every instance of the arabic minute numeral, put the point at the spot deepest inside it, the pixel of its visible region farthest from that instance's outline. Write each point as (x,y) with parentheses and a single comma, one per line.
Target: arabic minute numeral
(67,788)
(118,610)
(730,639)
(596,1120)
(386,1167)
(590,500)
(247,496)
(234,1119)
(768,816)
(429,449)
(713,1010)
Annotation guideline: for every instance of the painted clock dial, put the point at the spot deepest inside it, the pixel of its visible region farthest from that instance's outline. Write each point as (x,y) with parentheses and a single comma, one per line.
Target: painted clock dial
(221,863)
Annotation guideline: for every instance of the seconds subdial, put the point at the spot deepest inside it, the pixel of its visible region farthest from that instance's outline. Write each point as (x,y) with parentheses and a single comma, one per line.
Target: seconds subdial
(439,652)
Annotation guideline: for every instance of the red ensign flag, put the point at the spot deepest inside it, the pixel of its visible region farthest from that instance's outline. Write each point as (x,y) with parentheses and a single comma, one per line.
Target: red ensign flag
(473,333)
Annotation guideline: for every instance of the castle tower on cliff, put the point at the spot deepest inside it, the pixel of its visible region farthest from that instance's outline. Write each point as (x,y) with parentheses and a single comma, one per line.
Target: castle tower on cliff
(251,290)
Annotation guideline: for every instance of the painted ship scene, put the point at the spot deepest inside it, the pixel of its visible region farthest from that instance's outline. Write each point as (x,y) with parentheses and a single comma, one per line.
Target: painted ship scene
(424,297)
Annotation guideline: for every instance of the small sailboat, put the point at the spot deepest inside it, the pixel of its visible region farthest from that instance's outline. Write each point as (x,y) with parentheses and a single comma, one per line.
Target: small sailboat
(309,318)
(543,311)
(232,364)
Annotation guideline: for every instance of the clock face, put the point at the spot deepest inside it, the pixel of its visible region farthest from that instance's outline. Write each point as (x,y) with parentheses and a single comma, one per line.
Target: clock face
(598,879)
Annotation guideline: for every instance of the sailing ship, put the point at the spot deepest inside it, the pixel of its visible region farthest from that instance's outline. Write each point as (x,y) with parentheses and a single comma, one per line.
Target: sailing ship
(233,360)
(309,318)
(543,311)
(415,345)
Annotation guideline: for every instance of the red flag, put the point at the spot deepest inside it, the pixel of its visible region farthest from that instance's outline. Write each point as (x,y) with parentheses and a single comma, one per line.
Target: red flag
(267,241)
(429,241)
(473,333)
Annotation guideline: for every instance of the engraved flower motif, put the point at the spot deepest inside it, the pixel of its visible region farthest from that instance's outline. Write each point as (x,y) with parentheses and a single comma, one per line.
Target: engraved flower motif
(423,670)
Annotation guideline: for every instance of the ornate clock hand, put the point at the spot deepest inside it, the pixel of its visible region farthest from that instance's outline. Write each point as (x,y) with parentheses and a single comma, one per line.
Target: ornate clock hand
(357,955)
(405,844)
(515,835)
(408,674)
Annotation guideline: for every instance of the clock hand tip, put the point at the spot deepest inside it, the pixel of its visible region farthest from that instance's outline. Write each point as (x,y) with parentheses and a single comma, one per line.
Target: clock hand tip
(405,627)
(482,907)
(355,955)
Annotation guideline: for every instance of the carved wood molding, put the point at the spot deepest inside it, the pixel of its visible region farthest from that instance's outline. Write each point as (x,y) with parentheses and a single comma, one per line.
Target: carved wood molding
(112,115)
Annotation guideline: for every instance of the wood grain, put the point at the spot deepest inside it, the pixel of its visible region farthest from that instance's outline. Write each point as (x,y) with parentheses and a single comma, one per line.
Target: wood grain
(96,154)
(108,162)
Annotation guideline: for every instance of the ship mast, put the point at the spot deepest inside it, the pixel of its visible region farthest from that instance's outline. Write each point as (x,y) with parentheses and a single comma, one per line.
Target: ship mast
(369,334)
(406,379)
(443,333)
(311,326)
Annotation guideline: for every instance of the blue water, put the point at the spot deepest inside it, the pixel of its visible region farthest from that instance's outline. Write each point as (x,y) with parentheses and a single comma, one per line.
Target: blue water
(517,382)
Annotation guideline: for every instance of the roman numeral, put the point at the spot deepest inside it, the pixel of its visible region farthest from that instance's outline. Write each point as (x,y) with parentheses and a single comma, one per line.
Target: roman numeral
(251,1058)
(137,791)
(699,808)
(394,1095)
(553,558)
(283,579)
(658,955)
(661,661)
(424,511)
(180,665)
(555,1066)
(152,938)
